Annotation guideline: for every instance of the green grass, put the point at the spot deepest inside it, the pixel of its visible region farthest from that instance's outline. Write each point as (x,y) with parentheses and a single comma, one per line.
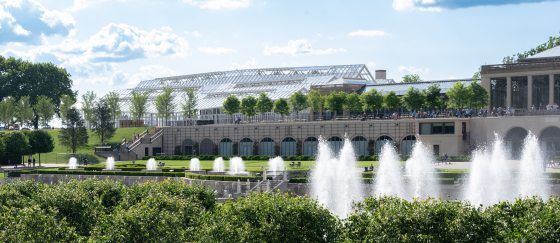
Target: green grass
(58,155)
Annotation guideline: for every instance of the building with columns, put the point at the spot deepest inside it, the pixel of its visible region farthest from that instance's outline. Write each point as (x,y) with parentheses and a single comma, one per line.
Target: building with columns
(530,84)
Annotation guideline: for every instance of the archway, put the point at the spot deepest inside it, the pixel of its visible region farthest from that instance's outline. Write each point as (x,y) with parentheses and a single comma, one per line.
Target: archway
(187,147)
(226,147)
(360,145)
(335,143)
(310,146)
(514,141)
(246,147)
(207,147)
(380,141)
(266,147)
(288,147)
(406,145)
(550,142)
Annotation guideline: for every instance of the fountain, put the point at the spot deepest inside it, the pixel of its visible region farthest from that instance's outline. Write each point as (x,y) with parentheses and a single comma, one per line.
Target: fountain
(421,173)
(237,166)
(151,165)
(194,164)
(336,183)
(72,163)
(490,179)
(218,165)
(389,178)
(276,166)
(110,164)
(532,181)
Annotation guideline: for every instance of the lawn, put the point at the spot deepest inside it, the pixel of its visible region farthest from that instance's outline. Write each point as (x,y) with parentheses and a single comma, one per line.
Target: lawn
(250,165)
(58,155)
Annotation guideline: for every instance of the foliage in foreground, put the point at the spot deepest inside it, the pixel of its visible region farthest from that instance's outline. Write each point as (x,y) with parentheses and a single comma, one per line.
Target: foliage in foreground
(171,211)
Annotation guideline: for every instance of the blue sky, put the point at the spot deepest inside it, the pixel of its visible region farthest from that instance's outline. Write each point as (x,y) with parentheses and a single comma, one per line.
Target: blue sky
(109,45)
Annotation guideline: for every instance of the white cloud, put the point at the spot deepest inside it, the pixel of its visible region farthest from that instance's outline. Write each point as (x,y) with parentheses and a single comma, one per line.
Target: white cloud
(300,47)
(27,21)
(216,50)
(146,72)
(219,4)
(439,5)
(368,33)
(249,64)
(422,5)
(195,33)
(413,70)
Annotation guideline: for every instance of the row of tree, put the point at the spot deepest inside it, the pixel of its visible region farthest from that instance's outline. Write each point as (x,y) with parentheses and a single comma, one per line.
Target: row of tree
(14,145)
(459,96)
(552,42)
(35,89)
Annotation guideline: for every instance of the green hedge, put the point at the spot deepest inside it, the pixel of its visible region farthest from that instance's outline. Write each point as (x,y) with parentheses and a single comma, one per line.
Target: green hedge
(221,177)
(90,172)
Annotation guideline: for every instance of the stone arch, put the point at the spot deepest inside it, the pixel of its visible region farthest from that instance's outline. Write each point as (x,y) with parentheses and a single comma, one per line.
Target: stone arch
(225,147)
(188,147)
(288,147)
(514,141)
(267,147)
(207,147)
(407,144)
(310,145)
(380,141)
(335,143)
(550,142)
(246,147)
(360,145)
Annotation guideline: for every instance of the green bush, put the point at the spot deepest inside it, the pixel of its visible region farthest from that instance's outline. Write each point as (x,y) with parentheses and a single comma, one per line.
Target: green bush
(221,177)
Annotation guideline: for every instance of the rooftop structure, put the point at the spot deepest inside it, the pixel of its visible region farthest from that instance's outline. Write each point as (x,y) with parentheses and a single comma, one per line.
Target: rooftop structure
(402,88)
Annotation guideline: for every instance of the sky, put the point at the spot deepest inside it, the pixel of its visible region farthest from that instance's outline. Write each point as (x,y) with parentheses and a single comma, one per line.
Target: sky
(109,45)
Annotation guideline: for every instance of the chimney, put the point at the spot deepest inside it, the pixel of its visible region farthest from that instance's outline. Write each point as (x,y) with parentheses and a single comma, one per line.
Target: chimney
(380,74)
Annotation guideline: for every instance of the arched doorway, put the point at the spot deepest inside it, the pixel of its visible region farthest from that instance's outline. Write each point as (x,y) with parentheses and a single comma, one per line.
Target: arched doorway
(310,146)
(335,143)
(550,142)
(379,142)
(288,147)
(514,141)
(206,147)
(266,147)
(187,147)
(225,147)
(246,147)
(360,145)
(407,144)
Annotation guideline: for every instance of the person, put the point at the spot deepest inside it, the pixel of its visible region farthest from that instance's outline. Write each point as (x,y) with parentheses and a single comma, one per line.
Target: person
(33,162)
(29,162)
(445,157)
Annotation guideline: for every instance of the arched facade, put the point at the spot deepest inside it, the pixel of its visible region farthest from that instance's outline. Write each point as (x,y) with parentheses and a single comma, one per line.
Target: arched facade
(360,145)
(379,142)
(246,147)
(266,147)
(225,148)
(288,147)
(514,141)
(188,147)
(310,145)
(550,142)
(407,144)
(335,143)
(207,147)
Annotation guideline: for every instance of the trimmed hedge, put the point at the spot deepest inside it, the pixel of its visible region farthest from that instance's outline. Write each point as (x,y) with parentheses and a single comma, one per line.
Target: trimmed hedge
(89,172)
(221,177)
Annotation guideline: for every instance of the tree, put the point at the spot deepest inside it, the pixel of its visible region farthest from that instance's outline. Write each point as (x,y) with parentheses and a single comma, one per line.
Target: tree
(189,103)
(411,78)
(297,102)
(7,111)
(391,101)
(281,107)
(433,97)
(113,101)
(371,101)
(24,111)
(459,96)
(353,103)
(40,141)
(139,100)
(248,106)
(334,102)
(264,104)
(231,105)
(315,101)
(44,108)
(66,102)
(164,104)
(74,134)
(478,96)
(103,124)
(413,99)
(88,101)
(17,145)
